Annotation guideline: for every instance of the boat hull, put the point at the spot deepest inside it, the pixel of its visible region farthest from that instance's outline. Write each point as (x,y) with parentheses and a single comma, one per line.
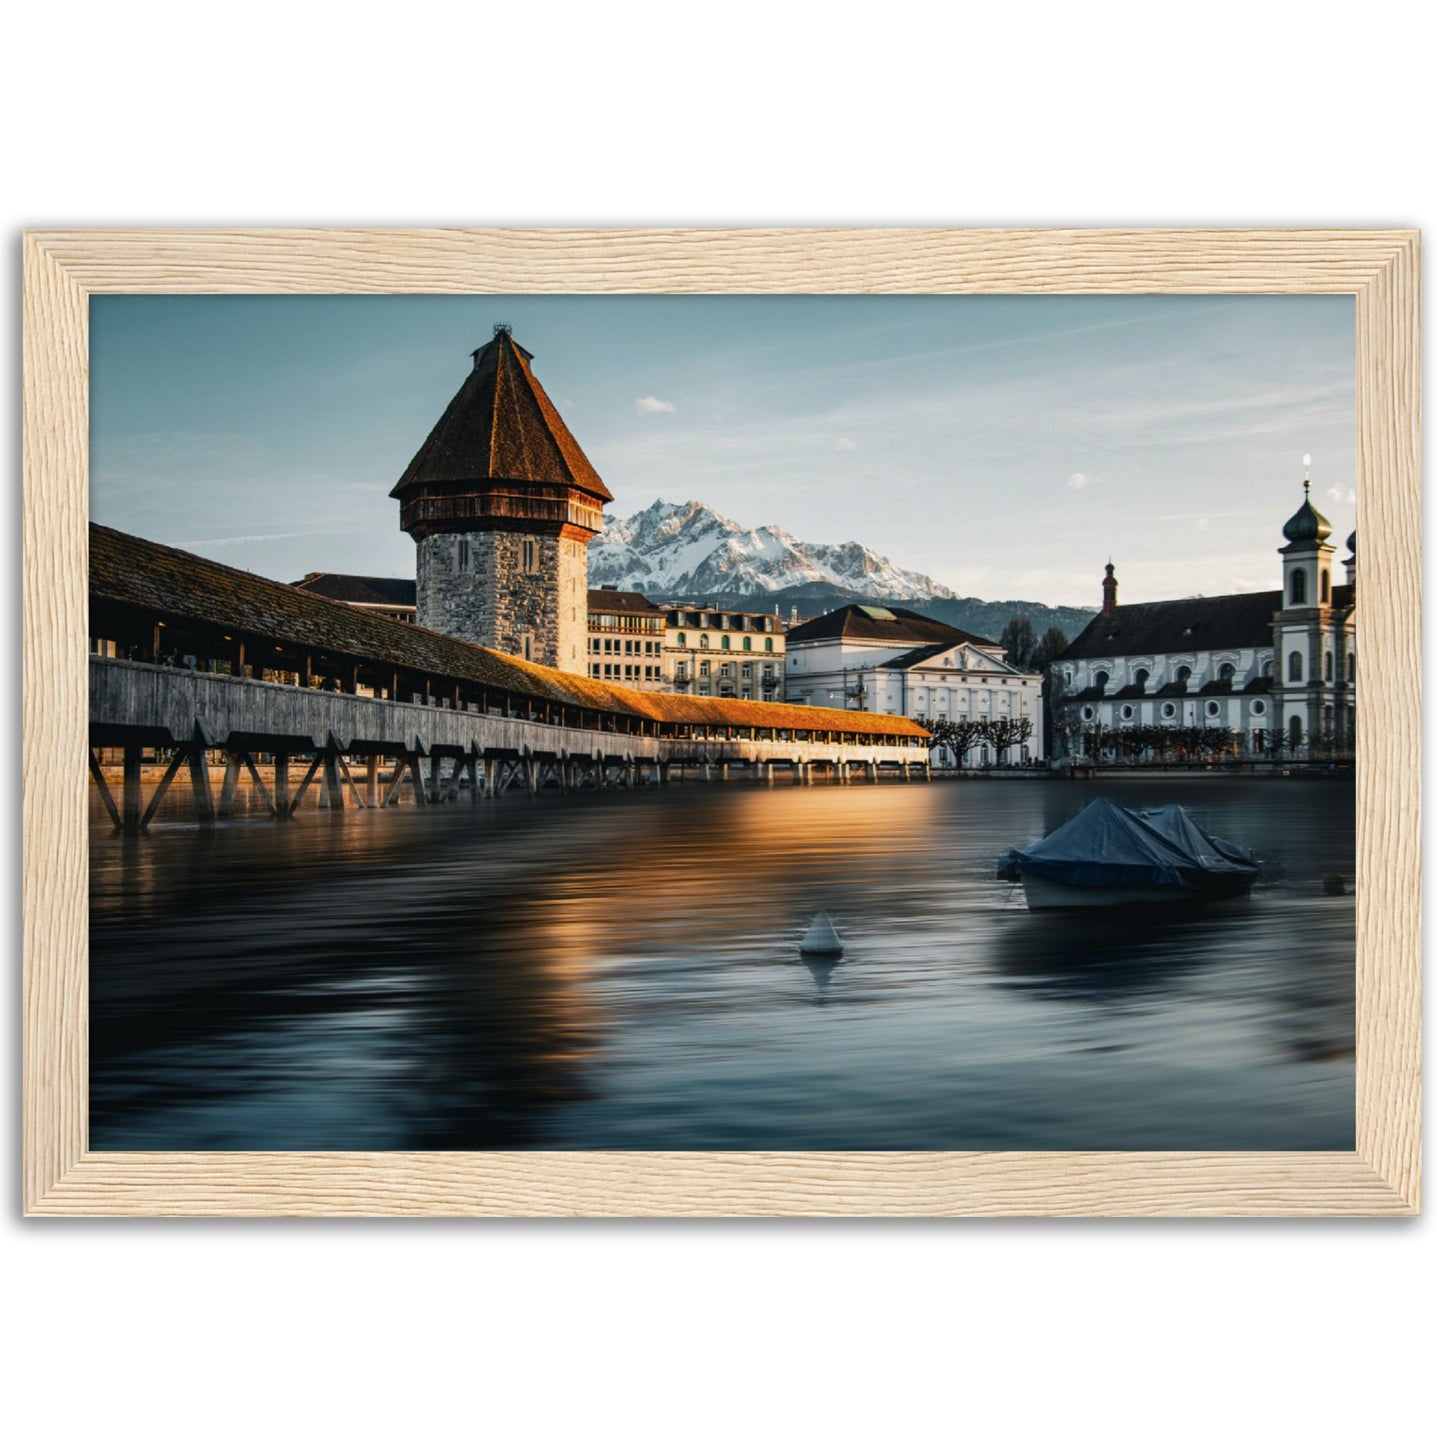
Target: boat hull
(1045,893)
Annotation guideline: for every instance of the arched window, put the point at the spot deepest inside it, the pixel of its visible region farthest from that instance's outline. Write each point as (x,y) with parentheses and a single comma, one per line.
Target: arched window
(1329,667)
(702,639)
(1329,719)
(1297,587)
(1325,585)
(1349,667)
(1266,667)
(682,639)
(1296,667)
(1141,676)
(747,644)
(1296,732)
(1181,673)
(727,641)
(1101,678)
(767,644)
(1226,672)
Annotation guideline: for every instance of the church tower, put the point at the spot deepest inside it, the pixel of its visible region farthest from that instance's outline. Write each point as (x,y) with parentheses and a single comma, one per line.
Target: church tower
(1306,665)
(502,503)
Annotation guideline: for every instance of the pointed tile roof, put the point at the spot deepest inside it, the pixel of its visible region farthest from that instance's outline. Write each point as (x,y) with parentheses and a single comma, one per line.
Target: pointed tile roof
(501,426)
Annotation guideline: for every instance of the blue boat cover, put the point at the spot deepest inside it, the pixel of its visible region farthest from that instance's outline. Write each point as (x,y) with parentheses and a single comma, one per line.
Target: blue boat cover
(1107,846)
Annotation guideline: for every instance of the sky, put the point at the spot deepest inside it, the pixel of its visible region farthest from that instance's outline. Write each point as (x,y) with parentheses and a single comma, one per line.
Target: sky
(1006,446)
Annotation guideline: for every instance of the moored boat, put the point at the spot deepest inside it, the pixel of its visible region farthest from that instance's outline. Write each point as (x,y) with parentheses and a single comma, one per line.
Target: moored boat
(1109,856)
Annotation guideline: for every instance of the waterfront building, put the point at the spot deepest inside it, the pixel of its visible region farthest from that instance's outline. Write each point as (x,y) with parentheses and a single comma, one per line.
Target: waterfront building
(718,652)
(502,502)
(891,660)
(393,597)
(624,639)
(1270,669)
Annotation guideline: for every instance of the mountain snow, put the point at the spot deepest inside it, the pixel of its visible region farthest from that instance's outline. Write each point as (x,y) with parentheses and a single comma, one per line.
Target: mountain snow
(692,551)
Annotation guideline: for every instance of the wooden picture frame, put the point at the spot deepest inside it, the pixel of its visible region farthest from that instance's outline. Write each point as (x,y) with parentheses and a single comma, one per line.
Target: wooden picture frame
(62,269)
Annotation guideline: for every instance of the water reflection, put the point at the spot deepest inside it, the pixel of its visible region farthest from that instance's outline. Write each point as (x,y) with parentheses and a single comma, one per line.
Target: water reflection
(623,971)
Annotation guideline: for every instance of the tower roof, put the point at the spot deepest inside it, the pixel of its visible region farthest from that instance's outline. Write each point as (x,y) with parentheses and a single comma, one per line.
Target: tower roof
(1307,525)
(501,426)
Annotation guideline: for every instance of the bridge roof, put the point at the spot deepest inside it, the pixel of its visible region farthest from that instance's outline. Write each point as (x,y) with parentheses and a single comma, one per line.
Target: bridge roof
(130,572)
(501,426)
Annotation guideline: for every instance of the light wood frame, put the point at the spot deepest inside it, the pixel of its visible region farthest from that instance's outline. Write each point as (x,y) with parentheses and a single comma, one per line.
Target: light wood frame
(62,269)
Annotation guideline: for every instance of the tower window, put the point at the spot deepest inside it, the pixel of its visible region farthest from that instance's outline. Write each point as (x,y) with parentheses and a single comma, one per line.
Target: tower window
(529,555)
(464,555)
(1325,585)
(1329,667)
(1296,667)
(1297,588)
(1349,667)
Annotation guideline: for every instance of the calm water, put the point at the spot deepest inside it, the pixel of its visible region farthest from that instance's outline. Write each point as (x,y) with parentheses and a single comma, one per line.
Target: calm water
(621,971)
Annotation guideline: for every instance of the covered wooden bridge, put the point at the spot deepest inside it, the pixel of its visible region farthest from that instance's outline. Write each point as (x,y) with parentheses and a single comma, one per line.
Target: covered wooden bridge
(195,659)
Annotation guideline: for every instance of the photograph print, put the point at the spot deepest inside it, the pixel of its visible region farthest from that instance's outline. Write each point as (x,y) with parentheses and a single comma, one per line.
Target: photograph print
(872,723)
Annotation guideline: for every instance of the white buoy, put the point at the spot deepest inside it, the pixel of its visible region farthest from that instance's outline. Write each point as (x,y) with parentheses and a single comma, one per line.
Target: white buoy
(821,937)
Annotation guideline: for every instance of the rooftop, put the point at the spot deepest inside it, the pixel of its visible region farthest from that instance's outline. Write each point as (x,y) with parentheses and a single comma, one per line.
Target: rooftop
(860,623)
(501,426)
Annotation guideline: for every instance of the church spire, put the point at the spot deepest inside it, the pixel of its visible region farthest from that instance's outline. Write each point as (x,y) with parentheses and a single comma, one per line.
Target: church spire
(1111,587)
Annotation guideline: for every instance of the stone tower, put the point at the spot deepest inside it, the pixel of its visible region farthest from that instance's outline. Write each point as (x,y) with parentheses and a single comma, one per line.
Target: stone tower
(1306,659)
(501,503)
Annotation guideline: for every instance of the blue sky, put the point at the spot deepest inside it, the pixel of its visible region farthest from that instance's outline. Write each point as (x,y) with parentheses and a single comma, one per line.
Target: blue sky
(1007,446)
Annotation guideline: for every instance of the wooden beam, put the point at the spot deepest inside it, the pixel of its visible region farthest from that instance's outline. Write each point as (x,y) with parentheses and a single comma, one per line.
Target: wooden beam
(130,790)
(201,782)
(350,781)
(106,796)
(260,786)
(176,760)
(305,783)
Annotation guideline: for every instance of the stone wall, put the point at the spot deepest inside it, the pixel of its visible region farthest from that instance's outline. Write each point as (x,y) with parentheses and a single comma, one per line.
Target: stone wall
(480,587)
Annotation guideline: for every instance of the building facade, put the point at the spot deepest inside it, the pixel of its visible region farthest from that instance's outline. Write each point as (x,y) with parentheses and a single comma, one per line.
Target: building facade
(502,503)
(1249,673)
(713,652)
(624,639)
(890,660)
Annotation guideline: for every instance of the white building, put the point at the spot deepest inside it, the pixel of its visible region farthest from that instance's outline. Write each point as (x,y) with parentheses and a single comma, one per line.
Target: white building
(889,660)
(1268,668)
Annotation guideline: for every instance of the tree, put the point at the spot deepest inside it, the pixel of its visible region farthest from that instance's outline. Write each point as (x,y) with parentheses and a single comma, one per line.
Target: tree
(1017,639)
(1046,650)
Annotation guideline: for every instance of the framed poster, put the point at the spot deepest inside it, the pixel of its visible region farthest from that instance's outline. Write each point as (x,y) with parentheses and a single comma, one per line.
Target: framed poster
(220,1024)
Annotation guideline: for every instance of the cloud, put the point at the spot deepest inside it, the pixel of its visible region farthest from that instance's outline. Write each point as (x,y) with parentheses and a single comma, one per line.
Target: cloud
(1078,481)
(1341,494)
(651,405)
(845,444)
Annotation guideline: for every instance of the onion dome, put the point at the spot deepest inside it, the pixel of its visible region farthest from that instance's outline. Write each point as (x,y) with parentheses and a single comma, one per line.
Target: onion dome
(1306,525)
(1350,543)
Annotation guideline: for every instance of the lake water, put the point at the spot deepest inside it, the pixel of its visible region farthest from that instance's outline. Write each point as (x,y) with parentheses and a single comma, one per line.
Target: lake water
(620,971)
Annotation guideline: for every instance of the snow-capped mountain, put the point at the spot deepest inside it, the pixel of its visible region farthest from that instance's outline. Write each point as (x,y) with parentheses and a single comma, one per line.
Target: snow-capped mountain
(693,551)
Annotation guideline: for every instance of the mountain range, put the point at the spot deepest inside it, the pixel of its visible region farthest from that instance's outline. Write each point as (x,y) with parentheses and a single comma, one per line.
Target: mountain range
(671,552)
